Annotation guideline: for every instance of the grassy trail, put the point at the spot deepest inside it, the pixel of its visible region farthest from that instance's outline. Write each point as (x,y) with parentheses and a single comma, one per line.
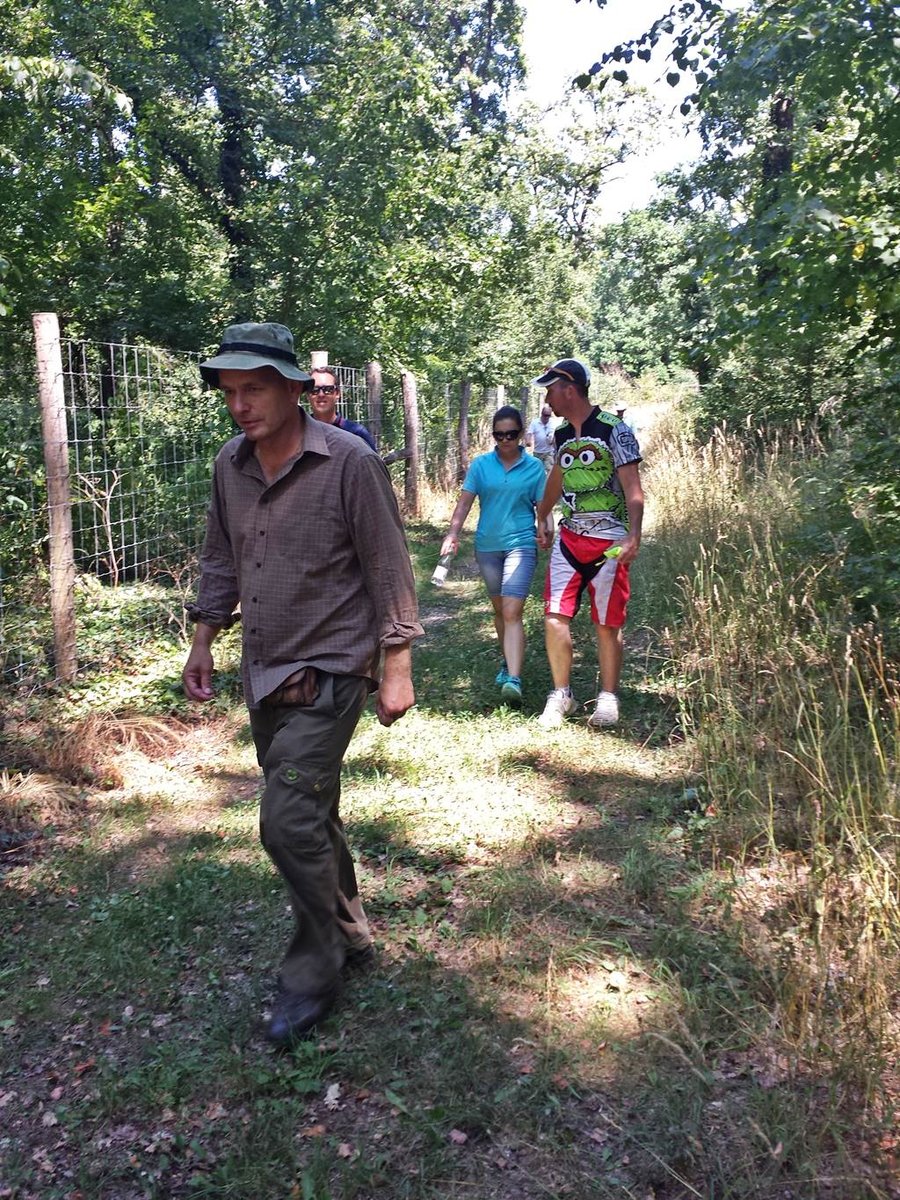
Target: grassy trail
(563,1005)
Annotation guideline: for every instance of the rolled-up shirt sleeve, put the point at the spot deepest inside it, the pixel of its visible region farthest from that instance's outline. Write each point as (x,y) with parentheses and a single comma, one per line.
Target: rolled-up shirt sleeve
(380,543)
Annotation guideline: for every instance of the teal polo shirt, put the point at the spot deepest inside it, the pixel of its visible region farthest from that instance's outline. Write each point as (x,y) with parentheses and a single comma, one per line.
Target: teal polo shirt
(506,500)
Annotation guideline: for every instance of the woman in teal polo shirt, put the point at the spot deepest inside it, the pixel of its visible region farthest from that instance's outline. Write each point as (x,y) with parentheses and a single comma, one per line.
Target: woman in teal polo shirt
(508,483)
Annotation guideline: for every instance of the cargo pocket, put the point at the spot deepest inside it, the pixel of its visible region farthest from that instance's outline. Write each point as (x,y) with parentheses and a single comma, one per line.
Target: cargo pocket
(295,808)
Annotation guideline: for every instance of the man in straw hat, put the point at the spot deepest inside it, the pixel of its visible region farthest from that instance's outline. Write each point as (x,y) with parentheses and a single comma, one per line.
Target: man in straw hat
(303,532)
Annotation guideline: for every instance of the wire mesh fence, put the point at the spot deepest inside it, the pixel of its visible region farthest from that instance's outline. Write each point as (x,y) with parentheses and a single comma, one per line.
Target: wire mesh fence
(439,433)
(23,521)
(140,434)
(354,394)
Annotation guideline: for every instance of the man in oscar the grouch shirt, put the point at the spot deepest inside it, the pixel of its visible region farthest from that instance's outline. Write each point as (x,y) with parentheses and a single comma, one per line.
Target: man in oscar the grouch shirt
(597,481)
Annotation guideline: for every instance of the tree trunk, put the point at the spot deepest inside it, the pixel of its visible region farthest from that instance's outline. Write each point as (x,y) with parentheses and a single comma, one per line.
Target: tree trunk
(59,502)
(465,395)
(524,404)
(374,398)
(411,437)
(233,170)
(776,164)
(779,153)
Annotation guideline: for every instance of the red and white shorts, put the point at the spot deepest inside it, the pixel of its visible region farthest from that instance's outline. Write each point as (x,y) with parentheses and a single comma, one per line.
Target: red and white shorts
(573,569)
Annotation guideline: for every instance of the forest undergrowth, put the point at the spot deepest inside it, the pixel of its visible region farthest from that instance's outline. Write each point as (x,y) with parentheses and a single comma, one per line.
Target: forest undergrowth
(657,962)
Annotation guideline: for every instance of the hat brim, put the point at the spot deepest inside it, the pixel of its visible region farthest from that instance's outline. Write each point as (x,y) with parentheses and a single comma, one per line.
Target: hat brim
(547,378)
(239,361)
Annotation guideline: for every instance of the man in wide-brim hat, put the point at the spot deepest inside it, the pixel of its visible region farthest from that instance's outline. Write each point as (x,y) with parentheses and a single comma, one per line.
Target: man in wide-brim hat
(304,535)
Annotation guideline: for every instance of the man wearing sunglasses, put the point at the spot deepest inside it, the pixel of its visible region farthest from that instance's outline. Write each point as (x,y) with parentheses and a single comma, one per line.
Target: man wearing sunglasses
(597,480)
(323,401)
(539,438)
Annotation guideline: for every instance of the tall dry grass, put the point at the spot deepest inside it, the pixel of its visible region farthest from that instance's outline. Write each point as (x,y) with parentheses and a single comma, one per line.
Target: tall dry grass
(794,711)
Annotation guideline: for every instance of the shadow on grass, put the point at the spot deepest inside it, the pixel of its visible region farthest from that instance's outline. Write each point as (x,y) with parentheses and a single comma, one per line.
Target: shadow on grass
(480,1029)
(576,1018)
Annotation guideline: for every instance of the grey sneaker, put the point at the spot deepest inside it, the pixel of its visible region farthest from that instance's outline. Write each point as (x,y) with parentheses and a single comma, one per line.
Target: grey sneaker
(606,711)
(560,704)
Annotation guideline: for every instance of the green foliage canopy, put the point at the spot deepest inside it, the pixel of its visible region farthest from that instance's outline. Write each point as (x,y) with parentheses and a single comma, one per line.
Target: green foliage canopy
(795,263)
(798,109)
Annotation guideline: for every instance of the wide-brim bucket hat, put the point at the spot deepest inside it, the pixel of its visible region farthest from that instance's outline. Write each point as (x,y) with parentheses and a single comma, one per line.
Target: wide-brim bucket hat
(250,345)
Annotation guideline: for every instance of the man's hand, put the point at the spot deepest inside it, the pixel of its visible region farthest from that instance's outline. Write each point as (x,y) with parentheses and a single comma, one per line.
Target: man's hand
(629,549)
(630,480)
(395,694)
(197,675)
(552,492)
(545,532)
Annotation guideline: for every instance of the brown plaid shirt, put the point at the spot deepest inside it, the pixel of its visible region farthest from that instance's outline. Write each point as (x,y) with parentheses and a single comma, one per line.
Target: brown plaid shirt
(317,560)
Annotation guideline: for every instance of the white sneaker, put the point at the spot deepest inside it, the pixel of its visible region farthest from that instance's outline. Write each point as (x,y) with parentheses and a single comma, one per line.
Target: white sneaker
(606,711)
(560,704)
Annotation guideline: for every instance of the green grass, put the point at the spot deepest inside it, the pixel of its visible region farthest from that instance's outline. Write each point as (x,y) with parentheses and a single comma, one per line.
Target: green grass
(581,992)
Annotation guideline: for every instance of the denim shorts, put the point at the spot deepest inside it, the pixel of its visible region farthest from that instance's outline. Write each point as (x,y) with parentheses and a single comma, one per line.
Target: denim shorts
(507,572)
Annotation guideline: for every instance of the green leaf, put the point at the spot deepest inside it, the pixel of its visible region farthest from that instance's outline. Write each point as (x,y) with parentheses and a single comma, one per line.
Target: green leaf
(396,1101)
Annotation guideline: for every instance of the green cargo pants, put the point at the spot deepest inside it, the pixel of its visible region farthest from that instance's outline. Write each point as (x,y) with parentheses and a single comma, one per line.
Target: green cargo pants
(300,750)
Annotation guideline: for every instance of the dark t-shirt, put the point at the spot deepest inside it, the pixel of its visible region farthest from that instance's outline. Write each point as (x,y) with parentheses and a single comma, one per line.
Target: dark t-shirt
(355,427)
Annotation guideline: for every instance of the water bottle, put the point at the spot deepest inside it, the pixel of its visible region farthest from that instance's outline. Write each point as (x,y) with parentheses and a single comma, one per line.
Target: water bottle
(440,571)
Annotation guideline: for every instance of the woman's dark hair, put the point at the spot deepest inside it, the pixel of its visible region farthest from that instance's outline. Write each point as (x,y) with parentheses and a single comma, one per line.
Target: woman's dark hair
(507,413)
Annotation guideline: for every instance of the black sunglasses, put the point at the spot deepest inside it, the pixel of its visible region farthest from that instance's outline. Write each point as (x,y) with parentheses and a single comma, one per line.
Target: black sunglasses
(509,435)
(329,389)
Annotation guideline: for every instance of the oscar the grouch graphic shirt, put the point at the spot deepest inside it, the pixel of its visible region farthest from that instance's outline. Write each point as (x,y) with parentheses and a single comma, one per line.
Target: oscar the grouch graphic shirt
(592,501)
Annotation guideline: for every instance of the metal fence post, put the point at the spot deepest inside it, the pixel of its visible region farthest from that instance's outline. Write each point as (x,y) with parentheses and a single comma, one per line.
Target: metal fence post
(59,505)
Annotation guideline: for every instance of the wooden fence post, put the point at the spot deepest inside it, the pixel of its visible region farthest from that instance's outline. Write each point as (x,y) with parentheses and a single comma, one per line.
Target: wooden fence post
(374,398)
(465,395)
(59,501)
(411,439)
